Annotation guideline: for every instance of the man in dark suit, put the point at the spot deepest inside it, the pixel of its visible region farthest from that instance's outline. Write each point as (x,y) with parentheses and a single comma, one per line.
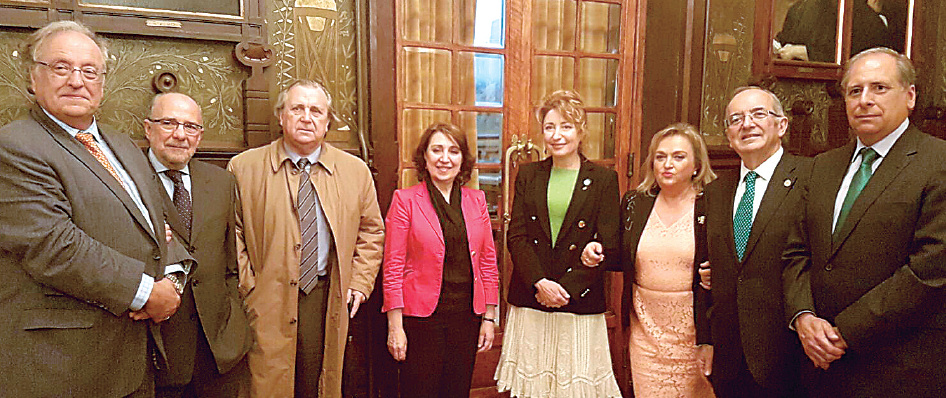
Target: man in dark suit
(754,354)
(82,237)
(866,263)
(208,337)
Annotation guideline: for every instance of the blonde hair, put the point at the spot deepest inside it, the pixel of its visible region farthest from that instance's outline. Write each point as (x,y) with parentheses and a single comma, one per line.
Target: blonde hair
(568,104)
(704,174)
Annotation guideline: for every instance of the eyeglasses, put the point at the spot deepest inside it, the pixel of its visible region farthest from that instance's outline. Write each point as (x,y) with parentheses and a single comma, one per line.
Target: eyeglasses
(170,125)
(64,69)
(757,115)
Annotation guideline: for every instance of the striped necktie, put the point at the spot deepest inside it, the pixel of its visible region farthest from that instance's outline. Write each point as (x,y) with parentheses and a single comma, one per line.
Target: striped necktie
(308,226)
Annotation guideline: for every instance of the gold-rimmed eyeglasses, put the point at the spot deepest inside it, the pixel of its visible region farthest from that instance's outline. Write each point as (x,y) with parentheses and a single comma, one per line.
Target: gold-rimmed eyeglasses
(64,69)
(170,125)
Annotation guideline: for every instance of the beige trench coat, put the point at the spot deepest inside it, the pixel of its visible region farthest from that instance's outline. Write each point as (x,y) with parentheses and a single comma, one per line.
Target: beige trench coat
(268,250)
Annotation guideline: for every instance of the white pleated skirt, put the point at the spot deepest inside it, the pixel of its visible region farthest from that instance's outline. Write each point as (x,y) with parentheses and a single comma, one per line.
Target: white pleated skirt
(555,354)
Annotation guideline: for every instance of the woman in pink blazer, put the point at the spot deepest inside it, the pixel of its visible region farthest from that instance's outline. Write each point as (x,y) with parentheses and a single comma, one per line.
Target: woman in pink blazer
(441,284)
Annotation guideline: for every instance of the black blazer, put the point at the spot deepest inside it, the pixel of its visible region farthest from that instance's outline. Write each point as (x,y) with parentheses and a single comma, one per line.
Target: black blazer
(635,209)
(591,215)
(211,298)
(746,321)
(882,280)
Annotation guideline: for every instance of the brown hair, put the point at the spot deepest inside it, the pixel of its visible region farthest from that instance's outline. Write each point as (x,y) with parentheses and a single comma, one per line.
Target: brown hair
(704,174)
(454,134)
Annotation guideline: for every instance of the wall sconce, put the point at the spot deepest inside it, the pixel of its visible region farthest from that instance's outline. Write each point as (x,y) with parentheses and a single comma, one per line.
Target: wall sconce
(724,44)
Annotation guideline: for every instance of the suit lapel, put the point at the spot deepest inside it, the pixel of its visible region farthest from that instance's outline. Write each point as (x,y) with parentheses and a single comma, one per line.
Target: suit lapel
(541,185)
(897,158)
(584,185)
(423,201)
(143,177)
(825,191)
(775,193)
(76,149)
(728,183)
(201,197)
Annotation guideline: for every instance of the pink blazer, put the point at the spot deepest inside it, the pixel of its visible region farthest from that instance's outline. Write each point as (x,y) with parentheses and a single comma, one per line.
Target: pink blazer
(414,251)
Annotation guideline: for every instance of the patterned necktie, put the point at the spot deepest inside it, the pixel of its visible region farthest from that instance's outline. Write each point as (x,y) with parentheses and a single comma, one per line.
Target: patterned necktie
(868,157)
(742,221)
(182,198)
(88,140)
(308,226)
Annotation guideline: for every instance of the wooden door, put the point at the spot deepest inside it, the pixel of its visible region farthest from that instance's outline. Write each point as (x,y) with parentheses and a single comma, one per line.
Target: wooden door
(485,65)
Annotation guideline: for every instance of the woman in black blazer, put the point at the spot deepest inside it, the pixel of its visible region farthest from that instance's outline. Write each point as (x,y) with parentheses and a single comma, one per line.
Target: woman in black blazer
(556,341)
(663,235)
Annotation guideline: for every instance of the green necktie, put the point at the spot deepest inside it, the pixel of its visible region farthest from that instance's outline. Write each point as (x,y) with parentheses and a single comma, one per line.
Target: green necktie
(742,221)
(864,171)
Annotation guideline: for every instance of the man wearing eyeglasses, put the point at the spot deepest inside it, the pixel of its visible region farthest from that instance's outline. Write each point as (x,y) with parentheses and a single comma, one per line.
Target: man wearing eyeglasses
(866,263)
(83,255)
(752,353)
(207,338)
(310,241)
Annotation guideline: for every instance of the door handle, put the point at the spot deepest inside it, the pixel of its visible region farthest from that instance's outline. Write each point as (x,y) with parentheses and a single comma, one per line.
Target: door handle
(518,151)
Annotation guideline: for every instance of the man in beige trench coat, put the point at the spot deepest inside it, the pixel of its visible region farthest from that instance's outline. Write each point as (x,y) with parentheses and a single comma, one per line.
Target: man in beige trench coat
(289,309)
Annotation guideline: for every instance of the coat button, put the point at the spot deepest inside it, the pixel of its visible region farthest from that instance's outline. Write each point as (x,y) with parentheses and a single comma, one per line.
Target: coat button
(533,218)
(156,257)
(572,247)
(293,282)
(536,241)
(298,246)
(192,249)
(568,270)
(195,281)
(292,321)
(581,223)
(472,252)
(828,267)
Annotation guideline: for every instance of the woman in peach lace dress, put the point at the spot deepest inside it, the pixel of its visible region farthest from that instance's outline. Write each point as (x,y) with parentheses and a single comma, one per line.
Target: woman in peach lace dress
(662,220)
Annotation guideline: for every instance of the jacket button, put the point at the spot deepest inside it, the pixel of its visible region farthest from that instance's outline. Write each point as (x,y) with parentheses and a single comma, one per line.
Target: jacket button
(293,282)
(292,321)
(192,249)
(536,241)
(581,223)
(828,267)
(298,246)
(572,247)
(533,218)
(472,252)
(568,270)
(156,257)
(195,281)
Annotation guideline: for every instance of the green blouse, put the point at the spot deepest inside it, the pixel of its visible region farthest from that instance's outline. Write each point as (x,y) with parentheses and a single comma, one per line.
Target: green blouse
(561,186)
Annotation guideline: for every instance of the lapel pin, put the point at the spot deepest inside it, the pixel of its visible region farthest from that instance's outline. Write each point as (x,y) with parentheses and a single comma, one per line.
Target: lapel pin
(787,183)
(586,183)
(701,219)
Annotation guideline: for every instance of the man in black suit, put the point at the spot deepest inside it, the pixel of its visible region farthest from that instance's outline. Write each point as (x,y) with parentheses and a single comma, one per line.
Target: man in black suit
(866,263)
(754,354)
(82,237)
(208,337)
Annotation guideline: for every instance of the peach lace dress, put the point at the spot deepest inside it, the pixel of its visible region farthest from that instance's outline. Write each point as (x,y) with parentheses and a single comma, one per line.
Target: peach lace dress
(662,332)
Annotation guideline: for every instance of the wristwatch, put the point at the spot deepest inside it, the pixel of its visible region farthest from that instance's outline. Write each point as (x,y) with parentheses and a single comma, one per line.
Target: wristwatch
(495,320)
(178,283)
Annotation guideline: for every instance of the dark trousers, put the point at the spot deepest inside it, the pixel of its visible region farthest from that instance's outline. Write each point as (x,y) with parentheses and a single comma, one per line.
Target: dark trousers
(743,385)
(206,381)
(310,340)
(441,351)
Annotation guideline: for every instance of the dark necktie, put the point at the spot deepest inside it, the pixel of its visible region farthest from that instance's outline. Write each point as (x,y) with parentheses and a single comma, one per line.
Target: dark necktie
(308,226)
(182,198)
(88,140)
(742,221)
(868,157)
